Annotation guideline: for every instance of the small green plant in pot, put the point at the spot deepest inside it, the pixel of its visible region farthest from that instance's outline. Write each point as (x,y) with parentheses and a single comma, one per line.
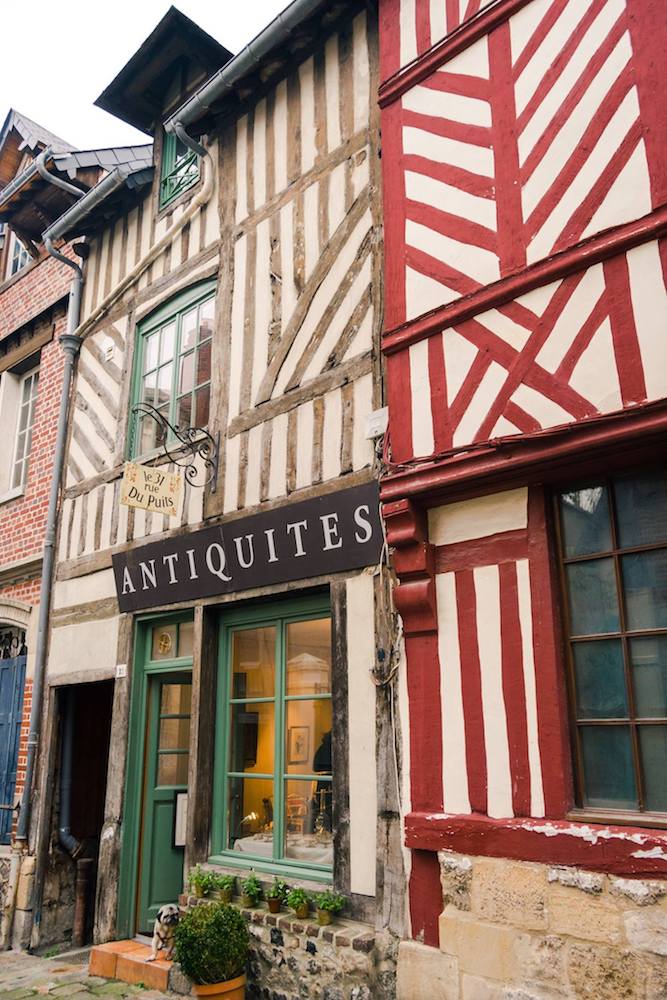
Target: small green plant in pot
(225,886)
(277,895)
(328,903)
(212,950)
(251,890)
(201,882)
(298,900)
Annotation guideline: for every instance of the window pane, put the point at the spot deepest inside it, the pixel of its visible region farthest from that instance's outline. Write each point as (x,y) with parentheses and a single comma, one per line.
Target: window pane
(641,504)
(174,734)
(649,675)
(184,412)
(17,478)
(149,385)
(645,584)
(150,351)
(206,315)
(163,386)
(253,662)
(24,414)
(252,738)
(163,645)
(309,657)
(201,404)
(204,363)
(653,745)
(187,377)
(585,520)
(308,822)
(250,815)
(189,330)
(592,593)
(176,699)
(600,679)
(308,737)
(172,769)
(186,634)
(147,435)
(609,779)
(167,343)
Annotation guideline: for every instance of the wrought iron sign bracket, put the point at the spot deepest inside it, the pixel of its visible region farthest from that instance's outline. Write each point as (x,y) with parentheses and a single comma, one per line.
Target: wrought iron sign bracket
(190,442)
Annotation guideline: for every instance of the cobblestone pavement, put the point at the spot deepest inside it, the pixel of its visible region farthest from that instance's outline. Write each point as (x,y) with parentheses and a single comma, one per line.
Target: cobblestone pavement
(23,976)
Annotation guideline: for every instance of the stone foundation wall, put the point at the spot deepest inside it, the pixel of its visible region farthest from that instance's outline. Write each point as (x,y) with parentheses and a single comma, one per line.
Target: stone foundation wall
(294,959)
(519,931)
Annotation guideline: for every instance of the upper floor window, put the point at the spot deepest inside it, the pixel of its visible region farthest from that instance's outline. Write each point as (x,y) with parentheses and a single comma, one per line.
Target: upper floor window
(613,539)
(173,366)
(180,168)
(17,257)
(24,423)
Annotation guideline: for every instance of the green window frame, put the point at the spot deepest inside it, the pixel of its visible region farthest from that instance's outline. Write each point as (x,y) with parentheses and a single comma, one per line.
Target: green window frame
(172,367)
(292,833)
(179,168)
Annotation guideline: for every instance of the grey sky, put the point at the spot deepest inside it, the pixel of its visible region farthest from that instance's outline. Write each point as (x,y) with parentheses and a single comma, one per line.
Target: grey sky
(57,58)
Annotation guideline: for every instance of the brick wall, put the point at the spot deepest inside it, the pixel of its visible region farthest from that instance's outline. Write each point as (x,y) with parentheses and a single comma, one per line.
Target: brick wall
(23,742)
(23,520)
(30,293)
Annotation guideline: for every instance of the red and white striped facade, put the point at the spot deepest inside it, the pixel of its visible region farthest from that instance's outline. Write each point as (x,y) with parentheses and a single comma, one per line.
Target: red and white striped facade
(525,193)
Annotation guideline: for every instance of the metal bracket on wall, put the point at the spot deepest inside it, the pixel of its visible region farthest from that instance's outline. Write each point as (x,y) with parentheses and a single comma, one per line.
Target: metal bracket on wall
(190,443)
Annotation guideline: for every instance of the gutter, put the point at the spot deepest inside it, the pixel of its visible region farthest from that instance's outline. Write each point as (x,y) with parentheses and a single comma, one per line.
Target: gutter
(88,203)
(222,82)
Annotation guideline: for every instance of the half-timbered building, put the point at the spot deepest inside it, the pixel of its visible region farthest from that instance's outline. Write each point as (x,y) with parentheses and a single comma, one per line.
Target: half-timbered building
(233,285)
(525,490)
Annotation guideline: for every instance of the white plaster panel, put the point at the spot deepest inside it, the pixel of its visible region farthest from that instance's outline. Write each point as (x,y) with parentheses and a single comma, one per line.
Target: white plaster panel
(86,646)
(361,728)
(454,766)
(479,517)
(83,589)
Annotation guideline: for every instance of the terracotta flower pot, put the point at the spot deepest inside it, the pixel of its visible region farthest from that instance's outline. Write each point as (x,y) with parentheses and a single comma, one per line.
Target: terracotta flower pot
(274,904)
(302,911)
(324,917)
(231,989)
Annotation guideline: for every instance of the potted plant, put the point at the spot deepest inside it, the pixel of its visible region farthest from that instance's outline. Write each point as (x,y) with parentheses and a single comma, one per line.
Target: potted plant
(200,881)
(328,903)
(251,890)
(225,885)
(212,949)
(277,895)
(298,900)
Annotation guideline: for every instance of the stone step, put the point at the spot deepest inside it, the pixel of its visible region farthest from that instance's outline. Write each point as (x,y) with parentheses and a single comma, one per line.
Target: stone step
(126,961)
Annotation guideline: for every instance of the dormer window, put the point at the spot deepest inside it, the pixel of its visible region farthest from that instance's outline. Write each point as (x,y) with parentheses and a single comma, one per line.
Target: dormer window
(180,169)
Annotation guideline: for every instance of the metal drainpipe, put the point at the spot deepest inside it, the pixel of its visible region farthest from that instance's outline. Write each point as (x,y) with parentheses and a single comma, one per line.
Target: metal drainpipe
(71,346)
(67,839)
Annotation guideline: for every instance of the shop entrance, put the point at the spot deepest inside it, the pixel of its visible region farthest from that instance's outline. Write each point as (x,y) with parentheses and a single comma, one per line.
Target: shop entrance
(153,839)
(165,785)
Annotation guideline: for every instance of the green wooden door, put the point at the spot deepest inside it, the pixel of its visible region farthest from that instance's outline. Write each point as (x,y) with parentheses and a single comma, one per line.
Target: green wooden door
(165,775)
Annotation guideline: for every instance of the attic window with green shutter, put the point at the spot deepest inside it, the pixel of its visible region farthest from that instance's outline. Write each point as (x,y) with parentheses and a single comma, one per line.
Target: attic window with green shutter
(180,169)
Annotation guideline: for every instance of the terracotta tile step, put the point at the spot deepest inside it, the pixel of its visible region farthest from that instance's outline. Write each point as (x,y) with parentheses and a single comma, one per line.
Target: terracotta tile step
(126,960)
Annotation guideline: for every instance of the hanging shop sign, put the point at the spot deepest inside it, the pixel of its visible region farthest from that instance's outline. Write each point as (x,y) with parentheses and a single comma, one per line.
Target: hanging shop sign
(328,534)
(151,489)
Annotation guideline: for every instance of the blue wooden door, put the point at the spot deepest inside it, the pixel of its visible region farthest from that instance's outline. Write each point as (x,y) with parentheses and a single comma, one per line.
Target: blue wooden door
(12,675)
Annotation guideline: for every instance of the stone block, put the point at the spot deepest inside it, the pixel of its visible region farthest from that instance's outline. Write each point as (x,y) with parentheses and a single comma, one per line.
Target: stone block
(481,948)
(655,970)
(542,961)
(593,918)
(577,879)
(647,931)
(599,973)
(509,892)
(455,879)
(425,973)
(474,988)
(178,982)
(641,892)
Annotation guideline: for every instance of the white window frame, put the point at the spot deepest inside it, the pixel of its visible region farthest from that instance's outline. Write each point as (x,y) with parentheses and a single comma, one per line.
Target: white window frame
(23,459)
(22,257)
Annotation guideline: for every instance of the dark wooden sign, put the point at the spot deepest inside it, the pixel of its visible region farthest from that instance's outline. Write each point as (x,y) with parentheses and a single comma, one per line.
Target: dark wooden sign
(329,534)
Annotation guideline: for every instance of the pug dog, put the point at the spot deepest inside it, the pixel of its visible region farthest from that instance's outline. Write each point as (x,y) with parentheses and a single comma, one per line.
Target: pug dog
(163,932)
